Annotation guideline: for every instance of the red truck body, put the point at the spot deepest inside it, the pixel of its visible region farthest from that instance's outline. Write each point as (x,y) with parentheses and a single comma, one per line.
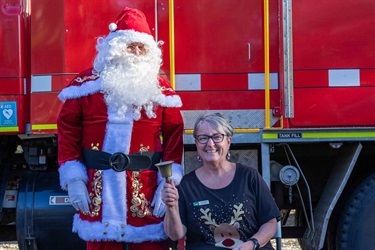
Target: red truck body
(306,67)
(46,45)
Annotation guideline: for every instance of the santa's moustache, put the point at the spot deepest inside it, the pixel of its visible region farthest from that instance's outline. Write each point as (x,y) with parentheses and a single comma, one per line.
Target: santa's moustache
(132,82)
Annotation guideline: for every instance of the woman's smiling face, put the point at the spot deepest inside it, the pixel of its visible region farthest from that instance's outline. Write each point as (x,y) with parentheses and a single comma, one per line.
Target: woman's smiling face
(211,151)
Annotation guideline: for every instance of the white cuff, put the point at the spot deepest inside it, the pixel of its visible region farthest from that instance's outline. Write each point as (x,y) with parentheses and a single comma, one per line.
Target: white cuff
(71,171)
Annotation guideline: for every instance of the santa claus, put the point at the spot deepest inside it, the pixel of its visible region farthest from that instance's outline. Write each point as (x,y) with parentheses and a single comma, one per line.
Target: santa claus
(121,106)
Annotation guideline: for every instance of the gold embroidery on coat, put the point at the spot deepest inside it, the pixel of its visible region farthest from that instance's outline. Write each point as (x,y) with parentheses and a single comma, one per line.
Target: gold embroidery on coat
(143,148)
(96,195)
(82,79)
(140,205)
(166,89)
(95,147)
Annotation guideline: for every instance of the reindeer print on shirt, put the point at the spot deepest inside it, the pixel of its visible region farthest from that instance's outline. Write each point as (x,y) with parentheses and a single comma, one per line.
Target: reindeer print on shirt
(225,234)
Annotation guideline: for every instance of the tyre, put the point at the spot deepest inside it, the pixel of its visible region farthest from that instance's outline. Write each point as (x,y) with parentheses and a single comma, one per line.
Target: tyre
(355,229)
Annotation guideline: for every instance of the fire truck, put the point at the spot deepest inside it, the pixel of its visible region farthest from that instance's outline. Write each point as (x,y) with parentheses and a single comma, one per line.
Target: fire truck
(296,78)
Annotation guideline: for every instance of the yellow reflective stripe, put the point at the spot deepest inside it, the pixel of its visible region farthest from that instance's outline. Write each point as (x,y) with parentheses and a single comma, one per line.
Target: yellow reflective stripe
(269,136)
(236,130)
(43,126)
(246,130)
(326,135)
(189,131)
(347,134)
(9,129)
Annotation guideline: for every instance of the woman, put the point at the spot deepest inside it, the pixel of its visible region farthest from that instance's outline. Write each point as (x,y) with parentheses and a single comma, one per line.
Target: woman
(222,203)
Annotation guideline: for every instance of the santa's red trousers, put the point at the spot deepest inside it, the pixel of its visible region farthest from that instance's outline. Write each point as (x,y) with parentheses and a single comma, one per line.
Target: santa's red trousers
(113,245)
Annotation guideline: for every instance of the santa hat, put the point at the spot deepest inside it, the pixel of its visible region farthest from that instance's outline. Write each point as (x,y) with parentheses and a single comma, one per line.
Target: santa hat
(132,23)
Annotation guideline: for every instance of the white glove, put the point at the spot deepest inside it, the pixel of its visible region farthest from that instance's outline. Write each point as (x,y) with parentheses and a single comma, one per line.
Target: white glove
(78,195)
(157,203)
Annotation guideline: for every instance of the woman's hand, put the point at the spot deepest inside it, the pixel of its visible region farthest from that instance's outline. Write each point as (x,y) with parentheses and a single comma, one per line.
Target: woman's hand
(170,194)
(247,245)
(264,235)
(172,222)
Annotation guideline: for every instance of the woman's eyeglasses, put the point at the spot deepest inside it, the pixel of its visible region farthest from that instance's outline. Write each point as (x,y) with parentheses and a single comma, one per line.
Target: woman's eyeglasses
(216,138)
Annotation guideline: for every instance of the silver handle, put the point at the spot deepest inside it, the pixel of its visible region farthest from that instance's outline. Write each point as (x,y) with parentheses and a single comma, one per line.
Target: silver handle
(248,52)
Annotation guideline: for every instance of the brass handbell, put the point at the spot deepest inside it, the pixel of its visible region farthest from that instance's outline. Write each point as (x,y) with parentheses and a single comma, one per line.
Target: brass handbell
(165,169)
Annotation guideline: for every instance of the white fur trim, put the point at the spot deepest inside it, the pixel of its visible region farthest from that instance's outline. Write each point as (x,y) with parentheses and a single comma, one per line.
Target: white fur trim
(114,208)
(91,87)
(177,173)
(70,171)
(114,196)
(94,231)
(173,101)
(112,27)
(87,88)
(117,139)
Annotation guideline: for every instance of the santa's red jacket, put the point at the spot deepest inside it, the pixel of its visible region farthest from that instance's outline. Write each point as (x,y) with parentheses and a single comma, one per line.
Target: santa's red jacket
(120,208)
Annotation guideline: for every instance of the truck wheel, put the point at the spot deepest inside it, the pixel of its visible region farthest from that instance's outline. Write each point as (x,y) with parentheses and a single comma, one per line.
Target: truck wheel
(356,225)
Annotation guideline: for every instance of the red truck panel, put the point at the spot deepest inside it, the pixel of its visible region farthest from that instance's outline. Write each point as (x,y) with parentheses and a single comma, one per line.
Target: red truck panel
(223,100)
(333,52)
(213,37)
(13,37)
(211,43)
(14,73)
(336,107)
(334,63)
(333,34)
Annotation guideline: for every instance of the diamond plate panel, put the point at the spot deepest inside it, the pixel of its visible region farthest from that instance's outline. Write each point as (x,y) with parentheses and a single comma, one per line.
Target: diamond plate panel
(238,118)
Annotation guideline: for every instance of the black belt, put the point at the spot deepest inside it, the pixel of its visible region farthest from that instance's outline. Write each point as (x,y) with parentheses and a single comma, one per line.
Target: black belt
(95,159)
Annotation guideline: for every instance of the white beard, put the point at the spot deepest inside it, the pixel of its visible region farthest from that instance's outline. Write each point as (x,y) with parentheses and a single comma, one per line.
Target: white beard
(132,82)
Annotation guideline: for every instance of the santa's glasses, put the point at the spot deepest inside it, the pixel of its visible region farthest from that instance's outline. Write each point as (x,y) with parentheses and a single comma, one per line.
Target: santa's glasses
(136,48)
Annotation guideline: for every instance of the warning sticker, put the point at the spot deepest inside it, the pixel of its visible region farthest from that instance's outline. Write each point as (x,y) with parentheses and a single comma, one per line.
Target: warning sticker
(8,114)
(59,200)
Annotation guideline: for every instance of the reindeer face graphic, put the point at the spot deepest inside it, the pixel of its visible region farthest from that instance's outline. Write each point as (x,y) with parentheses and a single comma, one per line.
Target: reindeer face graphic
(225,234)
